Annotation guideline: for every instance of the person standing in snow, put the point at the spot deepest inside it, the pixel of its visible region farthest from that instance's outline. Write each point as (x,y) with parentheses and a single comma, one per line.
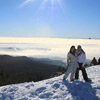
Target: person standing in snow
(72,63)
(94,61)
(81,57)
(99,61)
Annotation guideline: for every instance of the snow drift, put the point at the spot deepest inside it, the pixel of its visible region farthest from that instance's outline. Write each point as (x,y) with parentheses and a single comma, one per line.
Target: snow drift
(56,89)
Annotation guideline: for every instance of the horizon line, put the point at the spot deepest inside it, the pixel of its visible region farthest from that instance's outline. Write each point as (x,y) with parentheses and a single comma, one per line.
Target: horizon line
(49,37)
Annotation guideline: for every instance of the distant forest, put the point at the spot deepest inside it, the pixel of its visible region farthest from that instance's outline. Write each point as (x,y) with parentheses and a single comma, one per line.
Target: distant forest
(21,69)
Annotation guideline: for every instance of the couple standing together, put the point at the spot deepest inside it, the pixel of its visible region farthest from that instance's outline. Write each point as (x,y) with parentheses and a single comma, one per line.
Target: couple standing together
(75,61)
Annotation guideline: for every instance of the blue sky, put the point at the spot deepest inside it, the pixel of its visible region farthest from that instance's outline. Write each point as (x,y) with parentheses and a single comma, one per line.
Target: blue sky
(50,18)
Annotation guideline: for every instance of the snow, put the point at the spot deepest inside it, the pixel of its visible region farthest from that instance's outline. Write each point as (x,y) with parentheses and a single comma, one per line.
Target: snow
(55,89)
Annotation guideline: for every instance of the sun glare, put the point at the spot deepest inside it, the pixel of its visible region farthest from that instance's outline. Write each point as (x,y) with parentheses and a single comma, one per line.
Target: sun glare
(53,3)
(45,3)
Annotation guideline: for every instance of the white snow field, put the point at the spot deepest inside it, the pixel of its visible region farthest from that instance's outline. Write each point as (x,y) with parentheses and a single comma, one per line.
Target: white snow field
(55,89)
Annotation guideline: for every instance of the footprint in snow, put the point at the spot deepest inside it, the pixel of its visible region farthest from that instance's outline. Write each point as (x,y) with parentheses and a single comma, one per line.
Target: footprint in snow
(29,86)
(39,90)
(55,86)
(46,95)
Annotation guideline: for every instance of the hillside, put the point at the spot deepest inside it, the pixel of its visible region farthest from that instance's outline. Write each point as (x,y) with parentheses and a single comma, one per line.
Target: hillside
(55,89)
(19,69)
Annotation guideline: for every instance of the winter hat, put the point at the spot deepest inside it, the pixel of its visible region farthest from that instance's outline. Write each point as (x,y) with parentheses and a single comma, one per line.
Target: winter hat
(79,46)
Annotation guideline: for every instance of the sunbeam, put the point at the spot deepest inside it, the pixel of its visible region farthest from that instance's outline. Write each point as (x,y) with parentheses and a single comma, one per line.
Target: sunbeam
(53,3)
(25,2)
(45,3)
(60,3)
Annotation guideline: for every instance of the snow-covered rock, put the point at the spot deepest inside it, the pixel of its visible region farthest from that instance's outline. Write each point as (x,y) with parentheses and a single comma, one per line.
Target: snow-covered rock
(55,89)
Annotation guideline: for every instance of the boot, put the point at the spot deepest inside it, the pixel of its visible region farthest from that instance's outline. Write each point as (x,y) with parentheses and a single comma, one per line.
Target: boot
(72,80)
(88,80)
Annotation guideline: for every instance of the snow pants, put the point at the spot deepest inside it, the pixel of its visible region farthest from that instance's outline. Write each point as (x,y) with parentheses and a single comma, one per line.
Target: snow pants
(71,69)
(83,72)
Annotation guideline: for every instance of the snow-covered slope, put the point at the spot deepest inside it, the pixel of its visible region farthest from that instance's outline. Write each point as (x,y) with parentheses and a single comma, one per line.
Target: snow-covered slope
(55,89)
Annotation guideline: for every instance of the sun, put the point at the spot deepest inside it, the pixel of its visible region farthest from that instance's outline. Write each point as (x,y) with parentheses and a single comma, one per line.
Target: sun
(53,2)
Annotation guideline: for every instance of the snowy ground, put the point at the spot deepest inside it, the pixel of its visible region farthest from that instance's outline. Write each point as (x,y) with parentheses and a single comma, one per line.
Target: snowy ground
(55,89)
